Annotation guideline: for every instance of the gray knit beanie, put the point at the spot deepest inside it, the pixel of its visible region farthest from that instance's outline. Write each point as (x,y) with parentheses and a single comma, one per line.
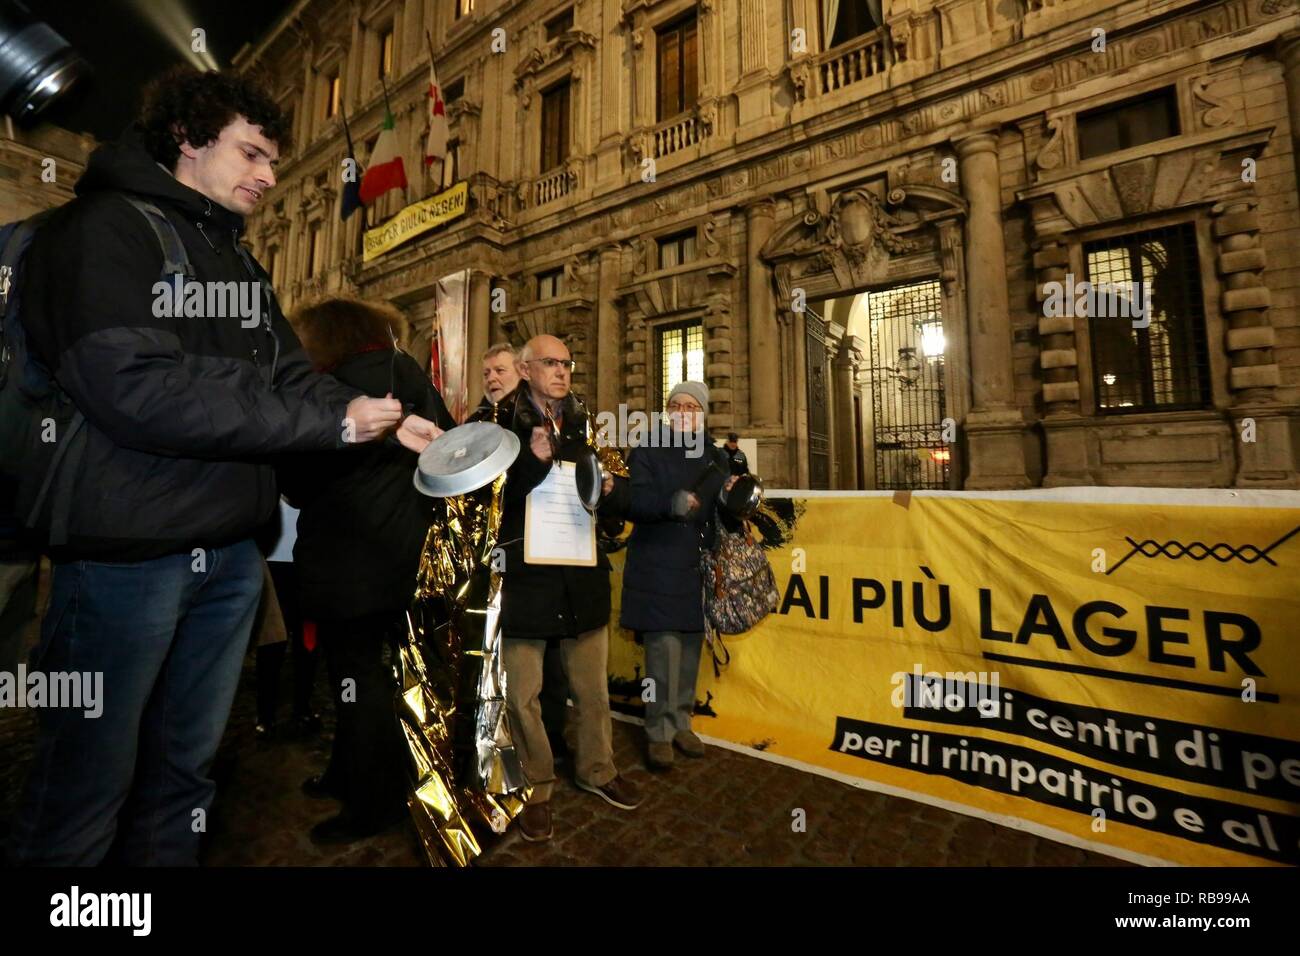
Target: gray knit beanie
(696,390)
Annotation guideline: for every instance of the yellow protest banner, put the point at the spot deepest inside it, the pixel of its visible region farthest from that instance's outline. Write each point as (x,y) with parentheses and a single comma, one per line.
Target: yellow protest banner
(1118,669)
(415,219)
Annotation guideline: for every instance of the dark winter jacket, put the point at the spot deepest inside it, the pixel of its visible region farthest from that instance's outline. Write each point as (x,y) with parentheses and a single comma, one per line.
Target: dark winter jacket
(540,600)
(662,585)
(181,412)
(362,523)
(484,411)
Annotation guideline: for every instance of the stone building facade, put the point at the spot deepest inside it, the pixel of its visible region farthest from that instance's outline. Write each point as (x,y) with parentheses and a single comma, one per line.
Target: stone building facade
(847,216)
(38,167)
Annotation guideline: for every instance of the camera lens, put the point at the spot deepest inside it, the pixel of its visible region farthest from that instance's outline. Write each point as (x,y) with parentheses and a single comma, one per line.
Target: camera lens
(36,64)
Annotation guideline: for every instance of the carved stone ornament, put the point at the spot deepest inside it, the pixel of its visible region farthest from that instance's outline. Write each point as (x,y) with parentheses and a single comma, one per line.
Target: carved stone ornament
(574,277)
(901,33)
(858,223)
(1052,154)
(712,248)
(708,117)
(573,169)
(640,146)
(1219,112)
(800,77)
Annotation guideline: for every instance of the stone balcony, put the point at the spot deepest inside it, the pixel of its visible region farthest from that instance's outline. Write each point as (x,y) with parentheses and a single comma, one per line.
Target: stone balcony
(553,185)
(850,63)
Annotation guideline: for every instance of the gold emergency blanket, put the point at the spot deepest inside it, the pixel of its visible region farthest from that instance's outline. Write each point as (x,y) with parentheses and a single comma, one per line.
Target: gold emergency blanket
(452,691)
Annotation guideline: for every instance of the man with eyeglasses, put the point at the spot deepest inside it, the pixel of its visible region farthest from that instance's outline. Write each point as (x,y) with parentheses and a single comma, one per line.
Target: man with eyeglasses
(557,605)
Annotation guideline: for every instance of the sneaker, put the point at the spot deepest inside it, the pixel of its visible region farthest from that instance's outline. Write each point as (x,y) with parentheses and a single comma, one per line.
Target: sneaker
(689,744)
(619,792)
(534,822)
(659,755)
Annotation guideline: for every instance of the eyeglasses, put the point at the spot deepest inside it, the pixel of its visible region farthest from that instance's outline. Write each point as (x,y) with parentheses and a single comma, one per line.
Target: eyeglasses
(679,407)
(554,364)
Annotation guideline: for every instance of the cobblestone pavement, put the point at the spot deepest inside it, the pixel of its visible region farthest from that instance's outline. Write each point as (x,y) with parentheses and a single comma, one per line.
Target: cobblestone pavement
(727,809)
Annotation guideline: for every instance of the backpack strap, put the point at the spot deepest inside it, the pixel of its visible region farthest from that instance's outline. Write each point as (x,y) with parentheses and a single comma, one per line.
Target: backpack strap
(61,506)
(176,261)
(57,484)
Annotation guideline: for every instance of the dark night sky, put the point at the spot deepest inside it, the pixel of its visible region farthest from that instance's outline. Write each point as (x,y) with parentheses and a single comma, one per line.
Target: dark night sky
(125,47)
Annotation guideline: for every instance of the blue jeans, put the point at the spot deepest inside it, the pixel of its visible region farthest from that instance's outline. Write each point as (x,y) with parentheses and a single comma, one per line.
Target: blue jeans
(169,641)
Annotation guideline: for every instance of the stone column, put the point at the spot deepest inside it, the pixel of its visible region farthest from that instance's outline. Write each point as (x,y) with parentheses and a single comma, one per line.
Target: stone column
(764,337)
(1265,429)
(612,97)
(609,344)
(480,318)
(1288,54)
(1067,445)
(995,427)
(843,388)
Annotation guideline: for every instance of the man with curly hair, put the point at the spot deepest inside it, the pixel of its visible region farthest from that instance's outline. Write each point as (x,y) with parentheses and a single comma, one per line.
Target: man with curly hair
(158,577)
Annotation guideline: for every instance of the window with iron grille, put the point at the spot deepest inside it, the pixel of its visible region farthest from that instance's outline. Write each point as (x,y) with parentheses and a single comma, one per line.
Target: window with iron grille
(907,386)
(550,285)
(677,71)
(555,126)
(677,249)
(1132,122)
(681,357)
(453,91)
(463,8)
(1165,365)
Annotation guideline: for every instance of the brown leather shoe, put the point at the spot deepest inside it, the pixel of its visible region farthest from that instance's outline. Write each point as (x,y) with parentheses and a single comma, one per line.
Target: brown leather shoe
(619,792)
(689,744)
(535,822)
(659,755)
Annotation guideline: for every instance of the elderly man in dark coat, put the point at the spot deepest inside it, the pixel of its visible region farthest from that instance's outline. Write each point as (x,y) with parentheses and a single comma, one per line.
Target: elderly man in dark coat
(545,604)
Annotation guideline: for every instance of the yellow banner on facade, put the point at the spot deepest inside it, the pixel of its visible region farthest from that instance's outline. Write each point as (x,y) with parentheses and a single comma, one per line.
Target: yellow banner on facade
(415,219)
(1118,669)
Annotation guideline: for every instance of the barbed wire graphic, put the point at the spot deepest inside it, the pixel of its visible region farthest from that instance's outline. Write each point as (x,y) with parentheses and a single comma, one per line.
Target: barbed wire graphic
(1199,551)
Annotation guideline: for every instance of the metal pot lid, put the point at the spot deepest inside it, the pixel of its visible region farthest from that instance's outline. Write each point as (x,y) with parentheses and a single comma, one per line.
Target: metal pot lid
(589,479)
(465,459)
(744,497)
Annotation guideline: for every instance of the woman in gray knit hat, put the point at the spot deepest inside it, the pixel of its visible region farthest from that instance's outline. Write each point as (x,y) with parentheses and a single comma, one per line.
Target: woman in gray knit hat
(675,479)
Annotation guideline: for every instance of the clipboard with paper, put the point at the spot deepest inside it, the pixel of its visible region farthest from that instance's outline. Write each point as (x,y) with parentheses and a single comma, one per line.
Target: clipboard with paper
(557,529)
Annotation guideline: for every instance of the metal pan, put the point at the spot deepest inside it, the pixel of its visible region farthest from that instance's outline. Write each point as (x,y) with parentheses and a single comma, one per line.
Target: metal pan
(590,477)
(744,497)
(465,459)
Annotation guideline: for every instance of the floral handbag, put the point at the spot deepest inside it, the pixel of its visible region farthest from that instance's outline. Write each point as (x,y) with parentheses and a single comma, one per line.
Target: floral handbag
(739,587)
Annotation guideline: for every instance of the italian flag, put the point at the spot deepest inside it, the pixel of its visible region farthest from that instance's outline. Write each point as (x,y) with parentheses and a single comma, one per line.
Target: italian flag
(435,149)
(385,170)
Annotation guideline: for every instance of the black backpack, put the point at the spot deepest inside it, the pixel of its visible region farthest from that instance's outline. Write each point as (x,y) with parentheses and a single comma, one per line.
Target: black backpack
(42,432)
